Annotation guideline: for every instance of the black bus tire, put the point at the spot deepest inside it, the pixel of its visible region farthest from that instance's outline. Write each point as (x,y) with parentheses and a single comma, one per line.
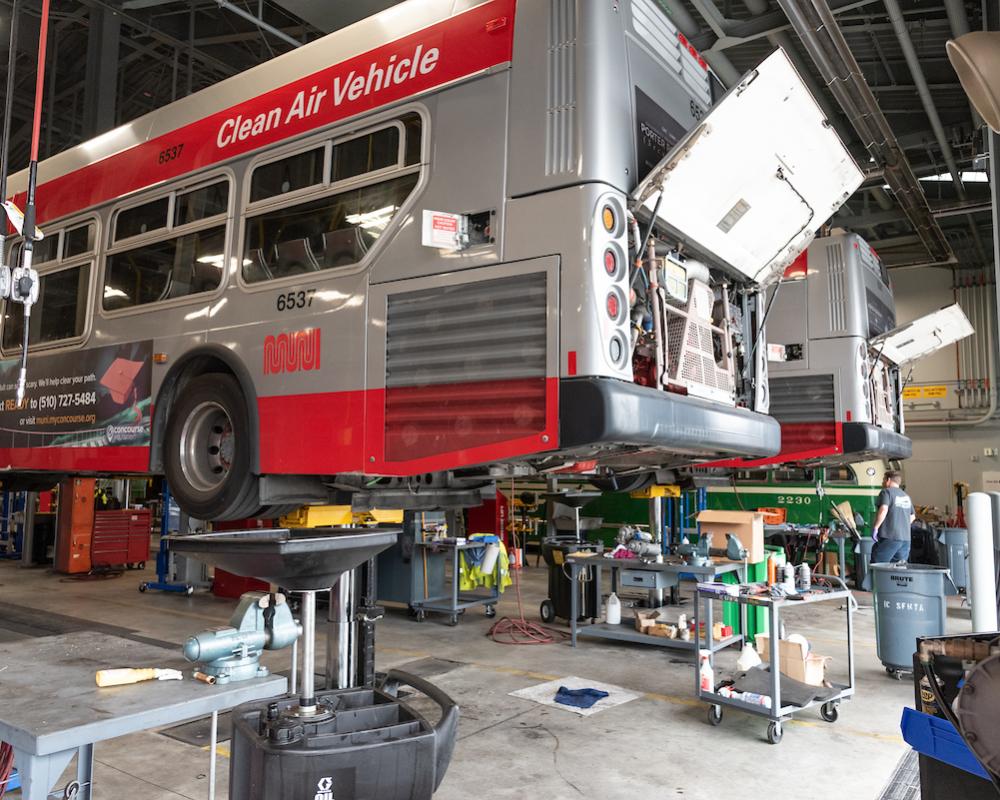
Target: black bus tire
(207,450)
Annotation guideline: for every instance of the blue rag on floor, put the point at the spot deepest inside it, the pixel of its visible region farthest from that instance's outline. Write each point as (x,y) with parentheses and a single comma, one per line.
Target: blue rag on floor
(579,698)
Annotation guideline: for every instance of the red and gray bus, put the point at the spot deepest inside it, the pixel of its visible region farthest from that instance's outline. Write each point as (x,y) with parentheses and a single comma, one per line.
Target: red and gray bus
(406,259)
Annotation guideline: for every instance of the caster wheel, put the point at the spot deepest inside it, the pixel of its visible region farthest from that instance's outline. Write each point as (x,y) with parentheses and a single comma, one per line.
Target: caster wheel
(453,621)
(189,591)
(143,587)
(774,732)
(141,565)
(829,712)
(491,611)
(547,611)
(412,612)
(714,715)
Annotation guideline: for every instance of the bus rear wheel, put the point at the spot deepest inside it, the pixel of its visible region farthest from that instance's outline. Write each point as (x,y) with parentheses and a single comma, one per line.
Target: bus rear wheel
(207,450)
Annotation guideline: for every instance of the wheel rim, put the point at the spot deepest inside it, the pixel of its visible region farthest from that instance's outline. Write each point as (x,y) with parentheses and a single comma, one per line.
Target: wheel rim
(207,445)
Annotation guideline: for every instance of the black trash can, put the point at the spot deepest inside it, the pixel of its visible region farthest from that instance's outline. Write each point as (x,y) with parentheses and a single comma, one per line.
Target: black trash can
(561,587)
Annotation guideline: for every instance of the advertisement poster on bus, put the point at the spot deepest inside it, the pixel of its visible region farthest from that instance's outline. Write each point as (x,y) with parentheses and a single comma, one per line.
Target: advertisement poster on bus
(100,397)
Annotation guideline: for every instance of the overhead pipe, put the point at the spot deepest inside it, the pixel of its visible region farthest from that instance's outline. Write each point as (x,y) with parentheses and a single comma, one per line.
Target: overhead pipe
(821,36)
(958,19)
(241,12)
(920,82)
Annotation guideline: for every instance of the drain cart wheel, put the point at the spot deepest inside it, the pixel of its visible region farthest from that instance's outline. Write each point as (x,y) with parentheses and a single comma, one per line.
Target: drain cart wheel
(547,611)
(714,715)
(491,611)
(207,450)
(774,732)
(829,712)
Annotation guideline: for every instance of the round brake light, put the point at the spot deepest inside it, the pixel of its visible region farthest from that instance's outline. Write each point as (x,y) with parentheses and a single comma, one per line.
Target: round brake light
(613,305)
(610,262)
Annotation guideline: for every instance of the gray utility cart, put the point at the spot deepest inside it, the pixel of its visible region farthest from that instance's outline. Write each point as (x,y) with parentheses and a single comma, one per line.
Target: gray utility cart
(777,714)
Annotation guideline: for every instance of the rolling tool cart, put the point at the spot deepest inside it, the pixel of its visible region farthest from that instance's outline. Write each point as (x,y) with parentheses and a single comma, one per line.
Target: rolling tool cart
(833,589)
(349,743)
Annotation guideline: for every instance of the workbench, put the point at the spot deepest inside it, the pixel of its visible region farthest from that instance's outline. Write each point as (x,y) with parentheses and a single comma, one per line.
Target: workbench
(52,708)
(646,575)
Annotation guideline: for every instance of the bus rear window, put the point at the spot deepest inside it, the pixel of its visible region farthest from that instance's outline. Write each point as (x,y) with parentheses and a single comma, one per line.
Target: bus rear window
(137,220)
(280,177)
(59,314)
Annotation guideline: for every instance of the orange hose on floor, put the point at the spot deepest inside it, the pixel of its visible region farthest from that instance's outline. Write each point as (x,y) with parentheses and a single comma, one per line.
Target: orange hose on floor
(518,630)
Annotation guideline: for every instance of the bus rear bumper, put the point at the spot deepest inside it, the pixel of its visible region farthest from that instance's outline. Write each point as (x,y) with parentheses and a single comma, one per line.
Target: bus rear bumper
(604,413)
(865,441)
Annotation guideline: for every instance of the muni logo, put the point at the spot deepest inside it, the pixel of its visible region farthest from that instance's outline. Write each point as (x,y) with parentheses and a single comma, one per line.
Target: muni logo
(291,352)
(324,789)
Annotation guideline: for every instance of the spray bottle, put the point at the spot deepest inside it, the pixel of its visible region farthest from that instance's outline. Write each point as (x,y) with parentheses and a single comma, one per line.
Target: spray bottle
(706,676)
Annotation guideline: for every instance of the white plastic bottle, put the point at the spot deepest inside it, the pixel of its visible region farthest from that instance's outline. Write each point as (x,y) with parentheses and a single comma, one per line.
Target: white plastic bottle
(706,675)
(613,610)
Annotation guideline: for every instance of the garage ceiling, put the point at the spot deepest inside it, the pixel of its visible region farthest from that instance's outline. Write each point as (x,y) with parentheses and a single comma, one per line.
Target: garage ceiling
(149,52)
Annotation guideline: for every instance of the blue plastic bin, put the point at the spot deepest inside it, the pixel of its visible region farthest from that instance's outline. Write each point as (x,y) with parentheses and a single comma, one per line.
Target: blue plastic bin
(937,738)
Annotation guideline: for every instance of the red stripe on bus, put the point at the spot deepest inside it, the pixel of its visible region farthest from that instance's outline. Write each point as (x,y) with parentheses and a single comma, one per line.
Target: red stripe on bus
(800,441)
(332,432)
(312,434)
(77,459)
(465,46)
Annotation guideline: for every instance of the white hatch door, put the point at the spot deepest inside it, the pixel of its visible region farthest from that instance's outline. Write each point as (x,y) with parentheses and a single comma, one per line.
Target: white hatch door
(750,185)
(920,338)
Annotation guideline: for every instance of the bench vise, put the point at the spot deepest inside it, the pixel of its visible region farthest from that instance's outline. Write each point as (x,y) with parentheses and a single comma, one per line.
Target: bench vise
(260,622)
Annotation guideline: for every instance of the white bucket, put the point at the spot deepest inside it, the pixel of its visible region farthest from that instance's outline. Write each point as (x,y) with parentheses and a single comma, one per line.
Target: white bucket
(490,558)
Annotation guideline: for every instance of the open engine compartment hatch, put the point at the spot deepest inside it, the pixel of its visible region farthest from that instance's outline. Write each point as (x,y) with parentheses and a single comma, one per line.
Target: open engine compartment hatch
(748,187)
(923,336)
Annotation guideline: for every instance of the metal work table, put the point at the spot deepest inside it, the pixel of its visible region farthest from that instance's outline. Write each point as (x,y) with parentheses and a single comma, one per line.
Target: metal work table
(52,707)
(778,713)
(455,602)
(661,576)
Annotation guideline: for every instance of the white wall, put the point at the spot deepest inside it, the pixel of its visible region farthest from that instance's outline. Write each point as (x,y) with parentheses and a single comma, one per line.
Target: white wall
(941,456)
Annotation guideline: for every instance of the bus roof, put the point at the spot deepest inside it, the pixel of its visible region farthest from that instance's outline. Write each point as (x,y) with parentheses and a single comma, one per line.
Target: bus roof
(367,36)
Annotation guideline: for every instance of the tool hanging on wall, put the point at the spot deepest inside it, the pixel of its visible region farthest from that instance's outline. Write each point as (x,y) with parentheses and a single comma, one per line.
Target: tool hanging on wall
(21,284)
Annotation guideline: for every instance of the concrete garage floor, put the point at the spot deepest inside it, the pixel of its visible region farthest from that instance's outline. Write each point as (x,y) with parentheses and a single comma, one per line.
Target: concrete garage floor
(657,746)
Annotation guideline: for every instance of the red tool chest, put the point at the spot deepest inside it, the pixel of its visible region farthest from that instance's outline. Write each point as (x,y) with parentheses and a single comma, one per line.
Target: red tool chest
(121,537)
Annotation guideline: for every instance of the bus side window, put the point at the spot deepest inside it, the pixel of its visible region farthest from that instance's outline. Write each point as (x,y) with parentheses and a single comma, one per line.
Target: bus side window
(287,175)
(59,314)
(333,231)
(164,270)
(141,219)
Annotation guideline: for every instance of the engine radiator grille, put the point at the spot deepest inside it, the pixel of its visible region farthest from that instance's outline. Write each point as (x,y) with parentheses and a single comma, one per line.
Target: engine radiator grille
(465,366)
(837,275)
(802,398)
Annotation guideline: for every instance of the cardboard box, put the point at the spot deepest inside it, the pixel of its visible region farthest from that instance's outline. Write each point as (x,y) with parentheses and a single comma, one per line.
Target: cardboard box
(795,661)
(748,526)
(644,620)
(663,630)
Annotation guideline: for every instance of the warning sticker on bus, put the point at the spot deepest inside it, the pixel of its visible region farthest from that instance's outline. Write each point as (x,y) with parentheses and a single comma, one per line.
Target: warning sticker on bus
(86,398)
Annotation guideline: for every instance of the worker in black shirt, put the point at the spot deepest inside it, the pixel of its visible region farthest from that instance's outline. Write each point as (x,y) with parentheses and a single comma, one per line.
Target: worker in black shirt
(892,522)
